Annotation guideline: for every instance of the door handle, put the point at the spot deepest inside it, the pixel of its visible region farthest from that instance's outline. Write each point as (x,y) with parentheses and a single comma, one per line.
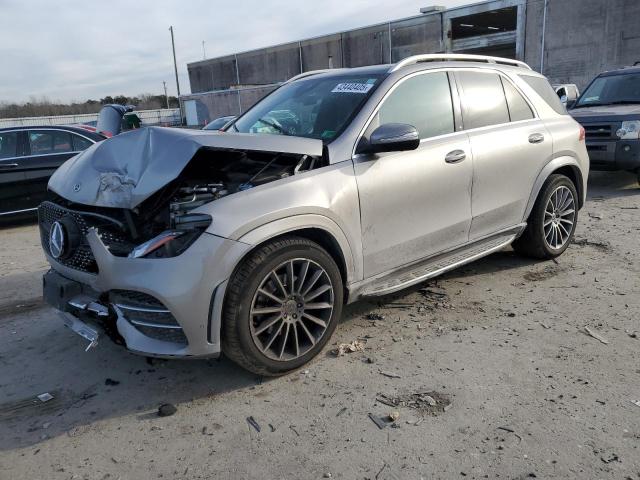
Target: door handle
(8,166)
(536,138)
(455,156)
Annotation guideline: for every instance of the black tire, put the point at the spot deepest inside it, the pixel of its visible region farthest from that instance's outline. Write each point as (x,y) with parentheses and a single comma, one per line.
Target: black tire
(238,343)
(532,242)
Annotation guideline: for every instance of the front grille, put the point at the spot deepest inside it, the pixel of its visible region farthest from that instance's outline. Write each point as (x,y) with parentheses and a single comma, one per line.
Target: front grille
(148,315)
(601,131)
(81,258)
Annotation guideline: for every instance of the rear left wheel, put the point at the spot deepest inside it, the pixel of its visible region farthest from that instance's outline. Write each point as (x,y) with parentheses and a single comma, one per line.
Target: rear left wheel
(553,220)
(282,306)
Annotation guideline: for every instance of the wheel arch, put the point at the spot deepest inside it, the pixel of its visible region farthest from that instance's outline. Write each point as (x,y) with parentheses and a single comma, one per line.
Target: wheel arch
(566,166)
(317,228)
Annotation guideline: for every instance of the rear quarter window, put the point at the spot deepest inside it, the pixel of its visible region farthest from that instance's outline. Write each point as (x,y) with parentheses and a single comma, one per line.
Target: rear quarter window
(548,94)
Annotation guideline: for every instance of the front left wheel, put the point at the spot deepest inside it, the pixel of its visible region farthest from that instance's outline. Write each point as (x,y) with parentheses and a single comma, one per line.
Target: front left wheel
(283,304)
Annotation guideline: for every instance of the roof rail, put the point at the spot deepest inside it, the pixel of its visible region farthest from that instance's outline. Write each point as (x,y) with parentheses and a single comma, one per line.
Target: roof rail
(313,72)
(457,57)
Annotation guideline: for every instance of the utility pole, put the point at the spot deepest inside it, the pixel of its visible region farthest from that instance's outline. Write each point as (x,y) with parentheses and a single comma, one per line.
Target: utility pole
(175,67)
(164,84)
(204,53)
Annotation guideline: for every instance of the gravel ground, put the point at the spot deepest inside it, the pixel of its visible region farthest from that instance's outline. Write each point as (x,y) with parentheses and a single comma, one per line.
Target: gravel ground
(500,347)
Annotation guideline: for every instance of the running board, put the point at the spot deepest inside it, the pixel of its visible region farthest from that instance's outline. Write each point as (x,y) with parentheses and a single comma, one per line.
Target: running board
(416,273)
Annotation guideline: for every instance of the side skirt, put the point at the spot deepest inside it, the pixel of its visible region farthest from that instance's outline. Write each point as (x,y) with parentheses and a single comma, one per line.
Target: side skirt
(438,264)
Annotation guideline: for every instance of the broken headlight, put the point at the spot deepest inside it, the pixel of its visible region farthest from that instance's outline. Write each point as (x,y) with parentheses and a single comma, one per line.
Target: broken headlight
(630,130)
(172,243)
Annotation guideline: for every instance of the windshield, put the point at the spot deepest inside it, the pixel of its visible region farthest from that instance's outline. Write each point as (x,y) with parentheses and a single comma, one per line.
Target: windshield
(314,107)
(611,90)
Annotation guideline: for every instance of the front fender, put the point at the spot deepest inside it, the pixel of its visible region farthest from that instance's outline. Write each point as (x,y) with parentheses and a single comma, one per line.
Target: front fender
(309,221)
(547,170)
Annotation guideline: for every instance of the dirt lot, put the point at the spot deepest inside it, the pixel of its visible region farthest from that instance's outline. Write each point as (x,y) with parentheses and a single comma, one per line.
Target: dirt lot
(532,395)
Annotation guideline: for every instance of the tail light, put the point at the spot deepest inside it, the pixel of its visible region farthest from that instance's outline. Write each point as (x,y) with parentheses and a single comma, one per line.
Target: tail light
(582,134)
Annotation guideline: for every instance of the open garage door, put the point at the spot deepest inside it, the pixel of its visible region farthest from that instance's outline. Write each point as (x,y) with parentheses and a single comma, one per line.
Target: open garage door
(495,28)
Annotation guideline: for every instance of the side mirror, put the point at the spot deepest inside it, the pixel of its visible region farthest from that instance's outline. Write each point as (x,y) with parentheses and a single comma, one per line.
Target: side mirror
(392,137)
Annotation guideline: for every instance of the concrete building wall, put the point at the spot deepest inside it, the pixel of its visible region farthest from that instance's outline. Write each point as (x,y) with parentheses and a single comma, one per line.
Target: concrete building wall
(323,52)
(581,38)
(269,65)
(415,36)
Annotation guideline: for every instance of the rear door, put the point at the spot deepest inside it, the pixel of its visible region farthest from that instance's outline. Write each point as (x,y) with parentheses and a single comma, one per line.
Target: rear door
(418,203)
(12,178)
(47,150)
(510,146)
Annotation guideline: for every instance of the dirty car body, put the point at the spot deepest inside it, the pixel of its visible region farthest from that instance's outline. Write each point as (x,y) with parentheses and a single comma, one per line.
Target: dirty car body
(186,243)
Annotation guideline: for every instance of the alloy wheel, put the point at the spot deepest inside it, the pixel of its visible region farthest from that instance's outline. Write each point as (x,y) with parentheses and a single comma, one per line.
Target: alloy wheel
(559,217)
(291,309)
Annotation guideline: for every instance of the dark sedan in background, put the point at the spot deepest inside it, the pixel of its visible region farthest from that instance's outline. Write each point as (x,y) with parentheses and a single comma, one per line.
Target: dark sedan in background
(29,156)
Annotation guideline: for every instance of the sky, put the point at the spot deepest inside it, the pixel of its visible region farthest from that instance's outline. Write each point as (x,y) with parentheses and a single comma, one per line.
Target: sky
(68,50)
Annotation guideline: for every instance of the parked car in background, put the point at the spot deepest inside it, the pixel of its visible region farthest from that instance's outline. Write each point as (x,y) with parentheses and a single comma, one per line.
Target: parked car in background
(219,123)
(338,185)
(29,156)
(568,93)
(609,111)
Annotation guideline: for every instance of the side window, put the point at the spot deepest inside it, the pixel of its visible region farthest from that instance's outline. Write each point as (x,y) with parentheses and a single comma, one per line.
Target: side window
(423,101)
(8,144)
(80,143)
(542,88)
(483,99)
(45,142)
(518,107)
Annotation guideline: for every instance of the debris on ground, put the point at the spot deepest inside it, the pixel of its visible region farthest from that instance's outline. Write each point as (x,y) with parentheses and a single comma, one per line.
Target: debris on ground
(344,348)
(390,374)
(544,325)
(610,459)
(596,335)
(597,216)
(110,382)
(381,421)
(370,360)
(166,410)
(374,316)
(636,403)
(425,402)
(394,416)
(45,397)
(583,242)
(632,334)
(252,422)
(342,410)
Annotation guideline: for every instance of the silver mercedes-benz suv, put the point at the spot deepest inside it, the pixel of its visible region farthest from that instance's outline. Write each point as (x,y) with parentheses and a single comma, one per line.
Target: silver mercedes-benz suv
(340,184)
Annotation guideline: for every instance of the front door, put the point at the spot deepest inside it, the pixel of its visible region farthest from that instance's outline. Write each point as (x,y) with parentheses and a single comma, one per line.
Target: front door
(418,203)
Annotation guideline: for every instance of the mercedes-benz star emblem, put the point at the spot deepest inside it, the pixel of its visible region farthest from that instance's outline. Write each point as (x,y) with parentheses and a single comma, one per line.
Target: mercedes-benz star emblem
(56,240)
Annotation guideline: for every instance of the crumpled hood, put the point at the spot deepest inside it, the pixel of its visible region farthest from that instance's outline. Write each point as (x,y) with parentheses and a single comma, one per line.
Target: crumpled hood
(125,170)
(606,113)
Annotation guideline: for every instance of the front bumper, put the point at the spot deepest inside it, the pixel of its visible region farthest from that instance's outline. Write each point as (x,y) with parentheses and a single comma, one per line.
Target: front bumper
(190,287)
(614,154)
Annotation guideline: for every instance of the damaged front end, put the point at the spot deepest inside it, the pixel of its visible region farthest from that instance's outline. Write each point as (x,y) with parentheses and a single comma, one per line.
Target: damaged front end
(123,213)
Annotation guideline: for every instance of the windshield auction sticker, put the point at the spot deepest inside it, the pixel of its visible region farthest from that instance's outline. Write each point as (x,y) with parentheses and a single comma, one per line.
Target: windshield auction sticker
(352,88)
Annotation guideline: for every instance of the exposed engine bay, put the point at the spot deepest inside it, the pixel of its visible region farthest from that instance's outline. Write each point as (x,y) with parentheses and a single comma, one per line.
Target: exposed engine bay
(163,225)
